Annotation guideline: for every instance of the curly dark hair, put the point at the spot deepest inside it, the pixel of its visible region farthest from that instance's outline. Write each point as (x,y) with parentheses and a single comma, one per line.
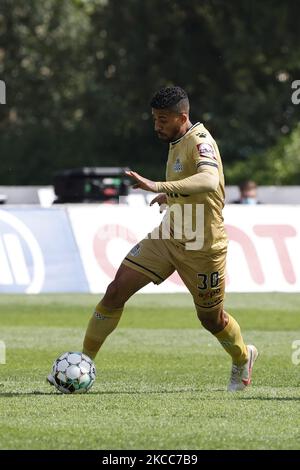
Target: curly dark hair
(172,98)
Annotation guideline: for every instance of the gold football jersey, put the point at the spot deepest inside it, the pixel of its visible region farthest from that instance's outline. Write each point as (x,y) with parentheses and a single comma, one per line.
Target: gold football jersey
(196,218)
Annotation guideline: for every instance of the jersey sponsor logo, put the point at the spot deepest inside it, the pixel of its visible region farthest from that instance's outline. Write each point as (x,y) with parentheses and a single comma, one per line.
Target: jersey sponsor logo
(177,167)
(206,150)
(201,134)
(209,294)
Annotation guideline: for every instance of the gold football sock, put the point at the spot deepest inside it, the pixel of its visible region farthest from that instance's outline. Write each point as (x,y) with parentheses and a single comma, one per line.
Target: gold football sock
(102,323)
(232,341)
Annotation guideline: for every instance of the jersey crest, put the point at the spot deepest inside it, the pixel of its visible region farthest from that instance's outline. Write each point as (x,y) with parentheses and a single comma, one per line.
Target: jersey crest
(178,166)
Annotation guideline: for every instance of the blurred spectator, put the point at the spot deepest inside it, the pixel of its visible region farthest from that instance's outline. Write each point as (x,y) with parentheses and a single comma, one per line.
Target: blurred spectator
(248,193)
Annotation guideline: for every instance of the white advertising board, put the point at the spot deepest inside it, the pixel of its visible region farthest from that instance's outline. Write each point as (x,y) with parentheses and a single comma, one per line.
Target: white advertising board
(263,253)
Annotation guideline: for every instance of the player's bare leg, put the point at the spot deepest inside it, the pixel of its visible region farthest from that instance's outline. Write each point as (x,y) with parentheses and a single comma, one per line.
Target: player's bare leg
(126,283)
(227,331)
(109,310)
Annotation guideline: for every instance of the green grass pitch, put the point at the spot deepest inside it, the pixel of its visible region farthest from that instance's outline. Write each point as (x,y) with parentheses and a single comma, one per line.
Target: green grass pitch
(161,378)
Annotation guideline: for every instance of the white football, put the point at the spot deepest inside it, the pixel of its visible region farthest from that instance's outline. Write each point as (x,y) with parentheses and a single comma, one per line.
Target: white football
(73,372)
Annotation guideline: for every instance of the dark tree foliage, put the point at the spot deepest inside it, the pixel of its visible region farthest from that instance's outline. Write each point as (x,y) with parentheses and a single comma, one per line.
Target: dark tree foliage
(80,75)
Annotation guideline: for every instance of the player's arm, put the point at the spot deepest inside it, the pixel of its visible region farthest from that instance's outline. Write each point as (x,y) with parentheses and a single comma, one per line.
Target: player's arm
(141,182)
(205,179)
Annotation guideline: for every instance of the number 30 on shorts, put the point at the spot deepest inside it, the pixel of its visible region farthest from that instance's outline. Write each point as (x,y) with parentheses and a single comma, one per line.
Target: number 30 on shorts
(208,281)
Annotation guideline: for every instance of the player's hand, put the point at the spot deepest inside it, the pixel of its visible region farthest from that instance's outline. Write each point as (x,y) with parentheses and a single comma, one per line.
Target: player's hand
(161,200)
(141,182)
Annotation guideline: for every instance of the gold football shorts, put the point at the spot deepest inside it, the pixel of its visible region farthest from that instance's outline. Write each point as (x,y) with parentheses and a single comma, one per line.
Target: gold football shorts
(202,273)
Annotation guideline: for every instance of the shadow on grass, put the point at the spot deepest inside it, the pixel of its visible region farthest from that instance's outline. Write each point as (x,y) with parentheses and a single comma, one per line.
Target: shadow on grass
(107,392)
(216,391)
(270,398)
(24,394)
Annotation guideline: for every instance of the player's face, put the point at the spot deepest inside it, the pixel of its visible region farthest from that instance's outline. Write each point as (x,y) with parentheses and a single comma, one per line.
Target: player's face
(167,124)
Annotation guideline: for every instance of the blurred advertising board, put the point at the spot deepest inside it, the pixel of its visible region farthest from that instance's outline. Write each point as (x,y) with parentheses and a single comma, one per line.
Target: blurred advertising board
(78,248)
(263,252)
(106,233)
(38,252)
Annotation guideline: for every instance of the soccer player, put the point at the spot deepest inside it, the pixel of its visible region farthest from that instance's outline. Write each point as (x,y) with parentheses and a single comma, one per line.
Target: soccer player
(191,238)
